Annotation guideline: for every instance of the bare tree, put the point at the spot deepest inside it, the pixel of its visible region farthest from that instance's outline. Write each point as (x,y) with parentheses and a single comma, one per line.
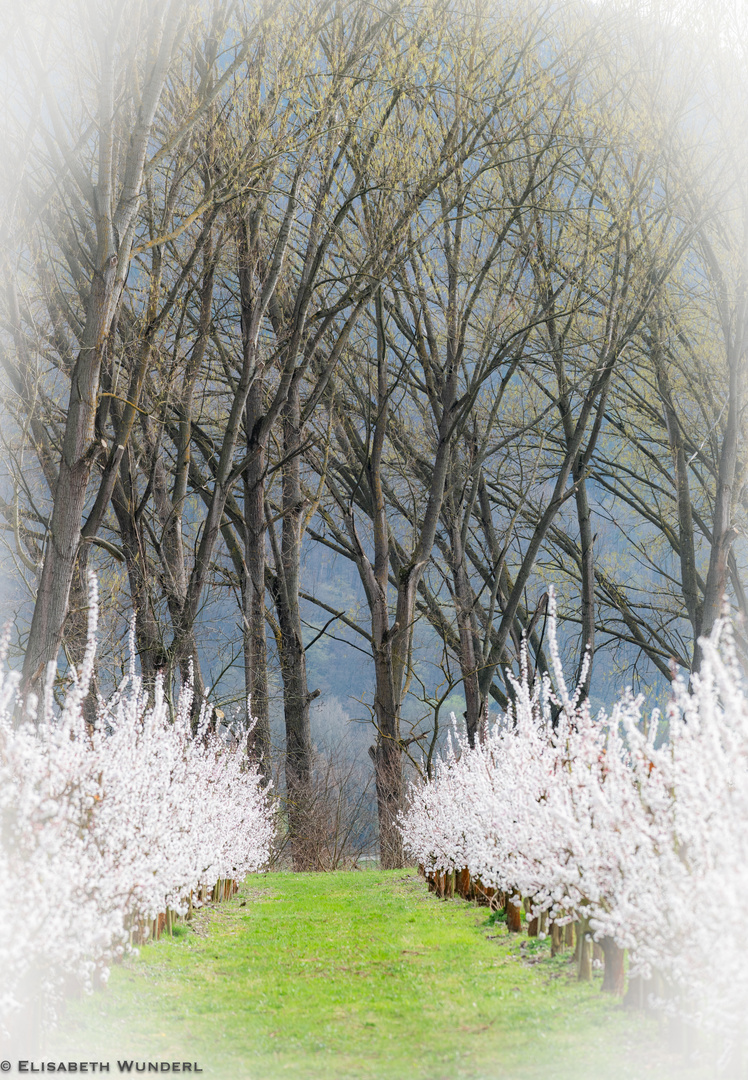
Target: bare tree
(86,148)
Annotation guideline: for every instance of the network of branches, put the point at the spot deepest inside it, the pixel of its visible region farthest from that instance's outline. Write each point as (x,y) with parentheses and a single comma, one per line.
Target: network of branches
(450,294)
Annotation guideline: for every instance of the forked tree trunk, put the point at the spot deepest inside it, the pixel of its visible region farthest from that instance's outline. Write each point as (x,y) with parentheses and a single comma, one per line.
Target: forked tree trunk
(80,450)
(113,202)
(391,644)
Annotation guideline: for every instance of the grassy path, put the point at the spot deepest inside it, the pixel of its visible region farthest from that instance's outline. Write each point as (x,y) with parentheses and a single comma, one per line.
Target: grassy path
(359,975)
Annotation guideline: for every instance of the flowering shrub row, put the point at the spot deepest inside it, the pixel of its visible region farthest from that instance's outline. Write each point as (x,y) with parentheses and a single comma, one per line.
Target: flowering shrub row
(645,845)
(101,831)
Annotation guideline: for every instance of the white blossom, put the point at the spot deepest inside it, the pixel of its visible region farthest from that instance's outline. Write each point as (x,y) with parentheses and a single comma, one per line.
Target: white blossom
(102,830)
(591,820)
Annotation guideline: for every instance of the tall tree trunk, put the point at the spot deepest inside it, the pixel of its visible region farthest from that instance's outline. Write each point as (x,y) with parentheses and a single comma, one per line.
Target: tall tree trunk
(182,656)
(584,524)
(689,576)
(723,530)
(734,319)
(391,644)
(465,626)
(296,696)
(75,634)
(112,203)
(584,521)
(79,452)
(148,640)
(387,751)
(253,592)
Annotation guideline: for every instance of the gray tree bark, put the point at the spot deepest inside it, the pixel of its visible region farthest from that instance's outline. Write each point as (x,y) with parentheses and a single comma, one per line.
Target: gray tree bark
(253,590)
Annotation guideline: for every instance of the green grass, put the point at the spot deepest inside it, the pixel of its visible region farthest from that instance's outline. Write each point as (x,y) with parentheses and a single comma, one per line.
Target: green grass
(360,975)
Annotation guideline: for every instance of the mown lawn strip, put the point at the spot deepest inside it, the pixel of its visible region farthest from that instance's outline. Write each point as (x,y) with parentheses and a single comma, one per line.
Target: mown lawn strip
(362,975)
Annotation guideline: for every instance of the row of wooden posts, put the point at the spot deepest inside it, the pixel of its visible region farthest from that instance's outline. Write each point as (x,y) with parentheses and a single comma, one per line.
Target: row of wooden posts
(143,930)
(29,1023)
(683,1036)
(564,935)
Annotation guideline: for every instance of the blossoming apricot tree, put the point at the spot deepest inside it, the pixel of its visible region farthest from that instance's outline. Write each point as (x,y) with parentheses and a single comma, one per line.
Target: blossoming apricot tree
(644,845)
(101,831)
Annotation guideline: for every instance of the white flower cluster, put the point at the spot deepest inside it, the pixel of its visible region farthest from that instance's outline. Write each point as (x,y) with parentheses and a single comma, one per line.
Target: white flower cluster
(101,831)
(589,819)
